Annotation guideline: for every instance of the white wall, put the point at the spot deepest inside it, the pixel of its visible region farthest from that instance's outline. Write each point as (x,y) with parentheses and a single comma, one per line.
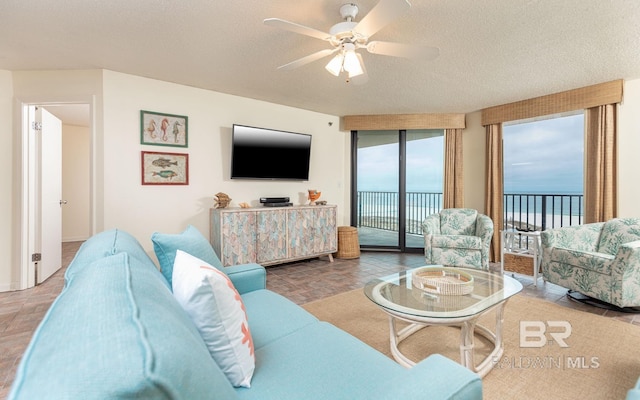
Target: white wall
(7,224)
(141,210)
(76,142)
(121,201)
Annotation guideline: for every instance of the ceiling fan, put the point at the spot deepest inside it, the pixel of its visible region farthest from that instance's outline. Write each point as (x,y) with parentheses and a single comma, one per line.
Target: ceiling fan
(349,36)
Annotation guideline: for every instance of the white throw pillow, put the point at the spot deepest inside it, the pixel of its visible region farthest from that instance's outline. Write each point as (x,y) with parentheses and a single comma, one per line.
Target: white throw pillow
(216,308)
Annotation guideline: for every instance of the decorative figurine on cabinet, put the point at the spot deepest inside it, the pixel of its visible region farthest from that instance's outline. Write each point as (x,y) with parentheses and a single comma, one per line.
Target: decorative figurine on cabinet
(313,196)
(222,200)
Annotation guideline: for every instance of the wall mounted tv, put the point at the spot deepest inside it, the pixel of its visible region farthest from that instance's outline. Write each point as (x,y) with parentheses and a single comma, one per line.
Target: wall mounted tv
(259,153)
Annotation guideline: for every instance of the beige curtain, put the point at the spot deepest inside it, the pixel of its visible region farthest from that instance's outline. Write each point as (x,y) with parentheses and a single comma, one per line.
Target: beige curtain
(453,187)
(493,191)
(600,170)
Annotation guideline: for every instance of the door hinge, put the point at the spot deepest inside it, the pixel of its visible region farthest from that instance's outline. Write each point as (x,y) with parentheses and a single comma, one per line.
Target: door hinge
(36,126)
(36,257)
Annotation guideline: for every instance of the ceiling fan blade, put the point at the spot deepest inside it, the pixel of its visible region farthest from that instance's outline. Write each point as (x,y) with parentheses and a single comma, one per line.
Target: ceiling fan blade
(385,12)
(308,59)
(403,50)
(297,28)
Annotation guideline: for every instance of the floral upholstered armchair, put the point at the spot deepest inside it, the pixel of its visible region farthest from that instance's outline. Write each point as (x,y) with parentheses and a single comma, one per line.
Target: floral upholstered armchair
(458,237)
(600,260)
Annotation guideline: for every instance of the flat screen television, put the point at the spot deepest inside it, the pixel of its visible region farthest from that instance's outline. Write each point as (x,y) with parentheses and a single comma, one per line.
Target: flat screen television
(259,153)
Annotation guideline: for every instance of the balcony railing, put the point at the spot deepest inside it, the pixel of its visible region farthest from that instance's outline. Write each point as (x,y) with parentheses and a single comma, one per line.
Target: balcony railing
(538,212)
(380,209)
(522,211)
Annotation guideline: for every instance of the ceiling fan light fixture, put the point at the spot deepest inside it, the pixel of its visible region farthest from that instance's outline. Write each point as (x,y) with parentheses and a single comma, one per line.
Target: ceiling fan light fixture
(335,65)
(348,36)
(347,60)
(352,64)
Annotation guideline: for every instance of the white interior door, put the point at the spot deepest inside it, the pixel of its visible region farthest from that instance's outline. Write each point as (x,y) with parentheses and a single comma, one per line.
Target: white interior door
(49,232)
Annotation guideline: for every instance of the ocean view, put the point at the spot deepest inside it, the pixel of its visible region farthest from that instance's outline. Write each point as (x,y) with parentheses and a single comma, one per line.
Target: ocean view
(523,210)
(543,175)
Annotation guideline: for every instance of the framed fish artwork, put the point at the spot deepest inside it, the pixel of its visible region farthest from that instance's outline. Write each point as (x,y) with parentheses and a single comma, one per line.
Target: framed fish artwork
(164,168)
(164,129)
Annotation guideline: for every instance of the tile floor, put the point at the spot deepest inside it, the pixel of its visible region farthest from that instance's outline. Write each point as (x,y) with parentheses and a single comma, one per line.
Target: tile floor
(302,282)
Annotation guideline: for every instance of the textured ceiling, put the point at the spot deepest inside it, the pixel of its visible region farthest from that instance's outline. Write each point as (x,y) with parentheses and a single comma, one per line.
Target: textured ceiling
(491,51)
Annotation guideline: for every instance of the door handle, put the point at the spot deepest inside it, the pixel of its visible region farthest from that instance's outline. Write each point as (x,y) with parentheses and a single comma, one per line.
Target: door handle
(63,202)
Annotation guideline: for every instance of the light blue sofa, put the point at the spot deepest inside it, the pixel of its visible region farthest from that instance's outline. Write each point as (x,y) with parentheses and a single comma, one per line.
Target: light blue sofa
(116,331)
(634,394)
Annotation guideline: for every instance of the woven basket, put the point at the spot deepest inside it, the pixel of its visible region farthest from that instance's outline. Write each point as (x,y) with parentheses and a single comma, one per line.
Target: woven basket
(440,303)
(445,281)
(518,264)
(348,244)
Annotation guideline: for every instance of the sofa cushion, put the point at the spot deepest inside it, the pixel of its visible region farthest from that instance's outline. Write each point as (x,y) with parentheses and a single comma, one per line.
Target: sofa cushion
(105,244)
(616,232)
(319,362)
(272,316)
(115,332)
(217,310)
(190,241)
(597,262)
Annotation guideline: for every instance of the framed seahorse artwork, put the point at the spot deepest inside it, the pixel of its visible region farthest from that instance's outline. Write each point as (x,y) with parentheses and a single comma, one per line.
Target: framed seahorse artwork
(164,129)
(164,168)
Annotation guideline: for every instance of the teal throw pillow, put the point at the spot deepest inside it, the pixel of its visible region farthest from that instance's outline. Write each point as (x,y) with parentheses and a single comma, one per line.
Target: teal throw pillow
(190,241)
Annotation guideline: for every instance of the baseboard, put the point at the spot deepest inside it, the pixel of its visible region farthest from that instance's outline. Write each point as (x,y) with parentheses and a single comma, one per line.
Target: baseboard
(10,287)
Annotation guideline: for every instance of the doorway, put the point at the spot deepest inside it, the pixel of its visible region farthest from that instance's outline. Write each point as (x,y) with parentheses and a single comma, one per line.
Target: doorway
(47,177)
(397,180)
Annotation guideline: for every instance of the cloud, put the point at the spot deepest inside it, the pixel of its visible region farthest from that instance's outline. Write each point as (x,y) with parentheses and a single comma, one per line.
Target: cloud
(378,167)
(544,155)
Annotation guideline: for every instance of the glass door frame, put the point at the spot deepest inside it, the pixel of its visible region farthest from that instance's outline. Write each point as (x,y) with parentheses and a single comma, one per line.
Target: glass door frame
(402,195)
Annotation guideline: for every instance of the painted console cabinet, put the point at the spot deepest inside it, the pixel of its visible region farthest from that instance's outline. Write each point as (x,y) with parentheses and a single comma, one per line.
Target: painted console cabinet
(276,235)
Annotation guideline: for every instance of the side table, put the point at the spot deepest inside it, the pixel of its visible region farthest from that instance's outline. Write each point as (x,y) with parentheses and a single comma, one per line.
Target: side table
(522,244)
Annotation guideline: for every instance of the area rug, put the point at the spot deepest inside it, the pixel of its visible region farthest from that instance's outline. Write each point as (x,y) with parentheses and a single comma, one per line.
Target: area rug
(593,302)
(594,357)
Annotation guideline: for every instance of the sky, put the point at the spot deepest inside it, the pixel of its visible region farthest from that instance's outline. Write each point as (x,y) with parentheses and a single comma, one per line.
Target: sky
(544,156)
(378,166)
(539,157)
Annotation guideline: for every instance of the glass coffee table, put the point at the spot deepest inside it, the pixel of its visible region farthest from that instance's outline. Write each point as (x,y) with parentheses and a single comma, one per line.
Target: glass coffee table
(405,298)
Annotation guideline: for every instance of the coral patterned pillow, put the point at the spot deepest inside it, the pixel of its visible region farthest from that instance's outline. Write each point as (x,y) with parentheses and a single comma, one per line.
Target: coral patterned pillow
(214,305)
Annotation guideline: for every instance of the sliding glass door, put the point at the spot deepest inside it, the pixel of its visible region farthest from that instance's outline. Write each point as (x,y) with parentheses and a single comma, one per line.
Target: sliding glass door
(377,183)
(397,181)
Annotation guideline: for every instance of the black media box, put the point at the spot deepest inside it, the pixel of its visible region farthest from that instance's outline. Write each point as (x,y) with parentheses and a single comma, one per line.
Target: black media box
(282,204)
(271,200)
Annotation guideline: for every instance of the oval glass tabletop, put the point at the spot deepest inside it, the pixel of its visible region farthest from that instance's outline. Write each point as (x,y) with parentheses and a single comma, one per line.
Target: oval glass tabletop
(397,293)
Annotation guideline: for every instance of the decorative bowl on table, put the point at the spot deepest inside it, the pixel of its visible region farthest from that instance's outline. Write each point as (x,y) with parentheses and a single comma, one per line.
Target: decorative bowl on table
(442,280)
